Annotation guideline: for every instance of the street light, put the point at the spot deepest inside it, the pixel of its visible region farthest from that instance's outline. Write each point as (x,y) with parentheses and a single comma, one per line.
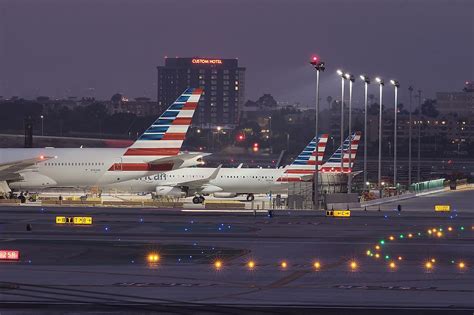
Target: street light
(341,74)
(410,89)
(381,83)
(366,80)
(319,66)
(396,85)
(351,80)
(42,125)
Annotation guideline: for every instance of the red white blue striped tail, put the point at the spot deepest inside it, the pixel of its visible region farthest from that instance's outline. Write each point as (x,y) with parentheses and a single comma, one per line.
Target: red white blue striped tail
(163,138)
(305,162)
(333,165)
(166,135)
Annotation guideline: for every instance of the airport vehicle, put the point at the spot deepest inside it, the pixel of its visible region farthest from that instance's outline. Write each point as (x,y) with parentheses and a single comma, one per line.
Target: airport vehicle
(157,149)
(230,182)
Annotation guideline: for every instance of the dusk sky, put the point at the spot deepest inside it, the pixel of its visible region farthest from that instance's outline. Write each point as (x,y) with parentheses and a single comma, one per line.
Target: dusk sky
(64,48)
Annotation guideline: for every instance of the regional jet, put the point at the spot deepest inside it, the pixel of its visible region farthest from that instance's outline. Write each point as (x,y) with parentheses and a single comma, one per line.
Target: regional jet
(229,182)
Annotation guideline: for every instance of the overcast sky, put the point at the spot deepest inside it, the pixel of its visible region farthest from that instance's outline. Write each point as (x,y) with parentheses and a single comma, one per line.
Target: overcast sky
(67,48)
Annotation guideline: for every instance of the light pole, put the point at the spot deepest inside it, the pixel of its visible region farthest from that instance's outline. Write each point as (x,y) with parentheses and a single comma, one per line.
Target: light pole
(410,89)
(366,80)
(351,79)
(381,83)
(396,84)
(319,67)
(42,125)
(341,74)
(419,137)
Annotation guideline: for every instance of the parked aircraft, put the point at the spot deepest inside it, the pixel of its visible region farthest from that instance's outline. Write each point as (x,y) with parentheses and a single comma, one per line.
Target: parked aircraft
(157,150)
(229,182)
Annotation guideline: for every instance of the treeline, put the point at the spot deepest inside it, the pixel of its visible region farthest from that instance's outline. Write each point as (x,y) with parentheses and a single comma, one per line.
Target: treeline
(91,119)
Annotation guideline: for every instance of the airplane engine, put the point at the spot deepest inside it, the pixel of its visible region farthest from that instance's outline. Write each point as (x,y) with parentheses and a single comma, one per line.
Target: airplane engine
(32,180)
(225,195)
(210,189)
(169,191)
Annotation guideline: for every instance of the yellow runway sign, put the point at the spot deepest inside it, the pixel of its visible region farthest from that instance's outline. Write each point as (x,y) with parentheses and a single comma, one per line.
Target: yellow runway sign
(74,220)
(338,213)
(443,208)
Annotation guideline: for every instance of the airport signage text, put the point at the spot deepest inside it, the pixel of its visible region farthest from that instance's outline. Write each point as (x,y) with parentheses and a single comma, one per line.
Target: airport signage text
(442,208)
(74,220)
(207,61)
(7,254)
(338,213)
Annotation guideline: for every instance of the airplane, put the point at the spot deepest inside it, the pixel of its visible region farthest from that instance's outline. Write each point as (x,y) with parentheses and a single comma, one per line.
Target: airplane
(229,182)
(157,149)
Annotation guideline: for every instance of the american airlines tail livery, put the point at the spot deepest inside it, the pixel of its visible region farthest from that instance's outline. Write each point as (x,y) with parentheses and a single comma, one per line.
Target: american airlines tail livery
(334,163)
(229,182)
(157,149)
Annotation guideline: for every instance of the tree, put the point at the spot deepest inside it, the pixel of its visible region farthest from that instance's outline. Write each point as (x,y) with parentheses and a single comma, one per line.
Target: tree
(267,101)
(428,108)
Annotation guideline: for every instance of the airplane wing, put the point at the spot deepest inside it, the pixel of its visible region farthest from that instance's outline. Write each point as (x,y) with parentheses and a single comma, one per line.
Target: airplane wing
(184,159)
(10,170)
(197,182)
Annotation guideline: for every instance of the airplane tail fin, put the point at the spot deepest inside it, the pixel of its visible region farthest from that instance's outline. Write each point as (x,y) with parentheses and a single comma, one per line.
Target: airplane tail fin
(166,135)
(333,164)
(158,148)
(305,162)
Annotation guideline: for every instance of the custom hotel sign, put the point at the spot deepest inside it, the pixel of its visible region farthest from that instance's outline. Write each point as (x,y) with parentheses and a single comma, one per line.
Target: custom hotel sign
(206,61)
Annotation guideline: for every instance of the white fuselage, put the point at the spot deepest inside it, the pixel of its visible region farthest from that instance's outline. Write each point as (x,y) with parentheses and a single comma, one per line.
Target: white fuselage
(231,180)
(71,167)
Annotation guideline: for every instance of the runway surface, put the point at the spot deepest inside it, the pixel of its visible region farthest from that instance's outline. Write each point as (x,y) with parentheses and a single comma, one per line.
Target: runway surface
(104,267)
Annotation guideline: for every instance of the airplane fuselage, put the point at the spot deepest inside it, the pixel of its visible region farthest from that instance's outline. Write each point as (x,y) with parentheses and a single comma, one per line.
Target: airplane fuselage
(73,167)
(232,180)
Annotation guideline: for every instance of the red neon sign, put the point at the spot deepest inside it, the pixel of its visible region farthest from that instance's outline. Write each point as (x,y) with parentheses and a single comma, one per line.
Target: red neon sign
(207,61)
(6,254)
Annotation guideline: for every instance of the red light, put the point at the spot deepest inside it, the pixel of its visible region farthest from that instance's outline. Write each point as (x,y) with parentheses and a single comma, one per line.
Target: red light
(240,137)
(315,58)
(255,144)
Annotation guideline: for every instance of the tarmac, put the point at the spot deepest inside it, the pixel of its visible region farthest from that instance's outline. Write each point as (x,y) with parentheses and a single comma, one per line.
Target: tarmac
(105,267)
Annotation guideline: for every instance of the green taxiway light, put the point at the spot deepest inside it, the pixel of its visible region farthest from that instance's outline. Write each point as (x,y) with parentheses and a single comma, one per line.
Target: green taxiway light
(401,236)
(382,242)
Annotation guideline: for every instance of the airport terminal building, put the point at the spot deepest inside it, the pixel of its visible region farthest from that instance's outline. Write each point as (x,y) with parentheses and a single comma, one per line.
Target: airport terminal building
(222,80)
